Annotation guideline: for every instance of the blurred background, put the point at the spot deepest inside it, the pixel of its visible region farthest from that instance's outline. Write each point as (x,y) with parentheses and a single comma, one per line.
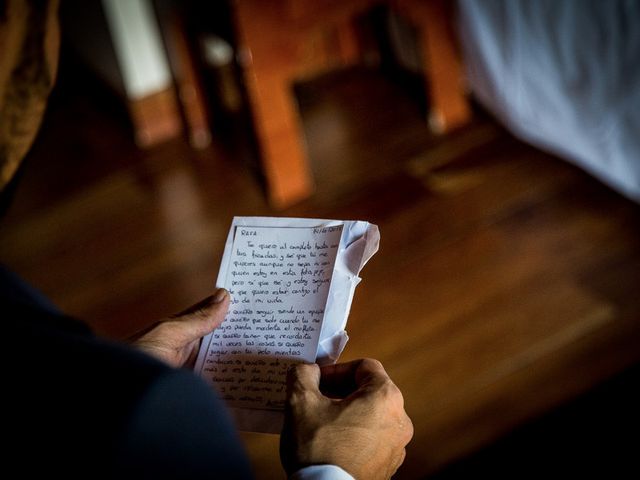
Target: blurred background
(504,300)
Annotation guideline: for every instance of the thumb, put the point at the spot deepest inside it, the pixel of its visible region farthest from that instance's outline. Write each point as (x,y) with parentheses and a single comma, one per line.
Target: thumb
(303,379)
(202,318)
(303,393)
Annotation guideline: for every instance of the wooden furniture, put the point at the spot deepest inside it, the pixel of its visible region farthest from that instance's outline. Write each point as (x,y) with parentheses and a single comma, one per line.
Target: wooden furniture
(448,105)
(280,44)
(294,39)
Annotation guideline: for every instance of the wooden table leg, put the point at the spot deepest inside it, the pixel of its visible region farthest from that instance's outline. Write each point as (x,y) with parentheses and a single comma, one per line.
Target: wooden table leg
(449,107)
(271,53)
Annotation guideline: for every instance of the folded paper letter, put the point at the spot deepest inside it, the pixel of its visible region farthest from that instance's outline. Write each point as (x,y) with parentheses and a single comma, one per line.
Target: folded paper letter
(291,281)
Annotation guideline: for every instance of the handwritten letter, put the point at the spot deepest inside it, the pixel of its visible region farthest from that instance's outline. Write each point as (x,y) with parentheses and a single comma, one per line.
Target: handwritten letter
(279,279)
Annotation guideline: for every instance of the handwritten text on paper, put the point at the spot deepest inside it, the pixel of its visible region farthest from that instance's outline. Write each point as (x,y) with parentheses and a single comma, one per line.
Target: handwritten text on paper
(279,279)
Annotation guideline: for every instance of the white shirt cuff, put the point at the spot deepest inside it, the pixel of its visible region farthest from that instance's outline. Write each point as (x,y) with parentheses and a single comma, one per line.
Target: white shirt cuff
(321,472)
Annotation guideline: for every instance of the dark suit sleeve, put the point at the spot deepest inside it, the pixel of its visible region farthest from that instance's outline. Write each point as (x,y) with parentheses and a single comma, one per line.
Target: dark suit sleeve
(79,406)
(180,429)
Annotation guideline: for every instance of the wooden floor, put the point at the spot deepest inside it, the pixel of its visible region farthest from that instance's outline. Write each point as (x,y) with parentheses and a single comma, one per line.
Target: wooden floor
(506,283)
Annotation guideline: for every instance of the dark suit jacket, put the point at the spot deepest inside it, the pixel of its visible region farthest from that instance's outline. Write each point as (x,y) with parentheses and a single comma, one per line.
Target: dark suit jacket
(88,408)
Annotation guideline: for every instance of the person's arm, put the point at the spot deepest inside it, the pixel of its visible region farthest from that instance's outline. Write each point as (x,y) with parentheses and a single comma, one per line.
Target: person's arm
(350,415)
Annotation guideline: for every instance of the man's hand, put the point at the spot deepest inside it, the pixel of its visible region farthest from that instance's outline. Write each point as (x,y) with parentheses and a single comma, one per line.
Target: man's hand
(358,423)
(176,339)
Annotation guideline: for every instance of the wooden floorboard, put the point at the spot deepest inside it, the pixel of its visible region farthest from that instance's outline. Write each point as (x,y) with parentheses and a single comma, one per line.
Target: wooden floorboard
(506,283)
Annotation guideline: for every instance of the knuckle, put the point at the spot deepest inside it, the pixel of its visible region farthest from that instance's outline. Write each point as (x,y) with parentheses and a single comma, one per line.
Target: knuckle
(408,429)
(297,374)
(300,400)
(304,397)
(391,392)
(297,378)
(371,363)
(304,369)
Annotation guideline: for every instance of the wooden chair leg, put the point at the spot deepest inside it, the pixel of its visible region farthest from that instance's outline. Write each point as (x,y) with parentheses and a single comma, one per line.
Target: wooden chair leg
(449,106)
(280,138)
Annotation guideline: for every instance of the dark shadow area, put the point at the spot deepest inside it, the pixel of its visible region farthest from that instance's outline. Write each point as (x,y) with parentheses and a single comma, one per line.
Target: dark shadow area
(593,435)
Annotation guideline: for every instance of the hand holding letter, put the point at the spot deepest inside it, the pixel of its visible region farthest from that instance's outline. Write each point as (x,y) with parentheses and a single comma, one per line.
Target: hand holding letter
(176,339)
(359,425)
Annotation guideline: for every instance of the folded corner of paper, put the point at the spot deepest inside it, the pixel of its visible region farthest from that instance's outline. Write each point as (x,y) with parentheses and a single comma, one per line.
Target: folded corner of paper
(361,249)
(329,349)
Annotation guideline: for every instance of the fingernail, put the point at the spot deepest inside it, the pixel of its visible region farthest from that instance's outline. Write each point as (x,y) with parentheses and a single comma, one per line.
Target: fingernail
(220,295)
